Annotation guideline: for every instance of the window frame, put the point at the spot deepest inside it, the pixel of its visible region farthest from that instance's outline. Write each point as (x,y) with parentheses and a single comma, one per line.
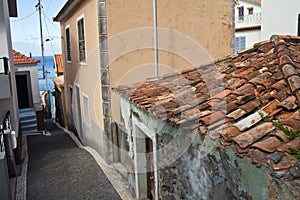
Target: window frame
(82,61)
(237,46)
(68,47)
(241,13)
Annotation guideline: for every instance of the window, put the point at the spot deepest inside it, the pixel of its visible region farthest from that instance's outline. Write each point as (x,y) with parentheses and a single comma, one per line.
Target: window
(68,43)
(250,11)
(86,108)
(241,13)
(81,39)
(240,43)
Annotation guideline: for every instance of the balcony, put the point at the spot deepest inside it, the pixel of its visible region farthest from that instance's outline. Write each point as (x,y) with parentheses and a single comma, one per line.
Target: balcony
(248,21)
(4,79)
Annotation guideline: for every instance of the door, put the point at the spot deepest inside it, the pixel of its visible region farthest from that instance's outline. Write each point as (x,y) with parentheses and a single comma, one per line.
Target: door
(150,171)
(79,122)
(23,91)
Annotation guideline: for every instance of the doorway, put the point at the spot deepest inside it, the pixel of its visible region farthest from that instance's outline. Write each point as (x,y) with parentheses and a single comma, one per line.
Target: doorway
(23,91)
(79,120)
(145,161)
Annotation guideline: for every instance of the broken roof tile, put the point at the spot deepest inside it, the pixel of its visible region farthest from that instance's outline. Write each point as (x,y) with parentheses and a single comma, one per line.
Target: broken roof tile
(229,132)
(285,163)
(258,157)
(289,103)
(247,138)
(236,114)
(295,143)
(211,118)
(242,72)
(245,89)
(249,121)
(280,134)
(251,106)
(268,145)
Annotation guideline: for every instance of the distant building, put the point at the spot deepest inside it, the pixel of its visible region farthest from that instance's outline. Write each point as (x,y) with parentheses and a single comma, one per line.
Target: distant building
(247,23)
(27,80)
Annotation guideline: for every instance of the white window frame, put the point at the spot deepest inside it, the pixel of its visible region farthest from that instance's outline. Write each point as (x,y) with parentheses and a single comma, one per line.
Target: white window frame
(82,62)
(86,110)
(237,47)
(66,43)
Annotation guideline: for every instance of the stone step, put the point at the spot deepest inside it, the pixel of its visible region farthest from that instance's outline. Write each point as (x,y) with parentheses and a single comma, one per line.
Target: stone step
(29,129)
(28,122)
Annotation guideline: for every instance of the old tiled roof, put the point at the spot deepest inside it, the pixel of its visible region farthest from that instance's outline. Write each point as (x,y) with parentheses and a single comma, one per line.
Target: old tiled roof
(222,100)
(20,59)
(58,63)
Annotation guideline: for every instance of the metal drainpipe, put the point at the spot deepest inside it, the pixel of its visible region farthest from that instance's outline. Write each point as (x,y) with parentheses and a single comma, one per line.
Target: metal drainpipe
(155,38)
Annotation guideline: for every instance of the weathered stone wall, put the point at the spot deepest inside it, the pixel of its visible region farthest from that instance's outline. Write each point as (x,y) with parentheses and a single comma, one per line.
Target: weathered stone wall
(194,167)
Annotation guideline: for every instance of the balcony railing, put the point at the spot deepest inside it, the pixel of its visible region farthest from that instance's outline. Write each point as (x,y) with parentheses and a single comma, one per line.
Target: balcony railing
(4,126)
(248,20)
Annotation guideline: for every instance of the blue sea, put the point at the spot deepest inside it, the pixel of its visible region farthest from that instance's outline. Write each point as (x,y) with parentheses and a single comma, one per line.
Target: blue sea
(51,72)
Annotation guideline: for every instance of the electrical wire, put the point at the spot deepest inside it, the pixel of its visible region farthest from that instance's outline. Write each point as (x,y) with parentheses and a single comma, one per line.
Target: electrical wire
(50,38)
(23,17)
(51,21)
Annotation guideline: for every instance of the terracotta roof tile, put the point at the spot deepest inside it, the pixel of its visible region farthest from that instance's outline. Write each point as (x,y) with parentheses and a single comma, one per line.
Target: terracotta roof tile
(20,59)
(266,76)
(258,157)
(247,138)
(285,163)
(268,145)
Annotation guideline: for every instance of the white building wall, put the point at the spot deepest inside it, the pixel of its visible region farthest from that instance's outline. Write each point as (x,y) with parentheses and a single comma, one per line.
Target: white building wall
(33,80)
(249,20)
(252,37)
(279,17)
(6,51)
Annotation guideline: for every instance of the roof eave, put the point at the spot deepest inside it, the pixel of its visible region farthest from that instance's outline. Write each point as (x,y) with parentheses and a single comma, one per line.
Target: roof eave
(69,6)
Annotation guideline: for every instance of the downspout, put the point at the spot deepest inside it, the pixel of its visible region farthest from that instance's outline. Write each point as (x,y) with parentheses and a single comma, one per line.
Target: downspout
(105,82)
(155,38)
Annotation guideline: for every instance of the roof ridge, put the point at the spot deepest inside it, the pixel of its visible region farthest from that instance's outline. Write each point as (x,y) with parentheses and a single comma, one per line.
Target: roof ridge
(286,63)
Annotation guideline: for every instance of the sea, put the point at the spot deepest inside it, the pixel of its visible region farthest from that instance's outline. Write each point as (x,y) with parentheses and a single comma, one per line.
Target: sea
(51,72)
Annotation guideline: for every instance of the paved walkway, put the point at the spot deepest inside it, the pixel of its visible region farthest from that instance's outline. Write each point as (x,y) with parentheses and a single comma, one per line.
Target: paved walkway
(59,169)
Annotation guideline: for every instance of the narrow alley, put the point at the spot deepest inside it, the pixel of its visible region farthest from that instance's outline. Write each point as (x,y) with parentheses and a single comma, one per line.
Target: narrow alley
(59,169)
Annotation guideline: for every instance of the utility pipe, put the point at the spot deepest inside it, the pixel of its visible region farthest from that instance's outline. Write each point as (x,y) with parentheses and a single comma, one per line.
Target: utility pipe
(155,38)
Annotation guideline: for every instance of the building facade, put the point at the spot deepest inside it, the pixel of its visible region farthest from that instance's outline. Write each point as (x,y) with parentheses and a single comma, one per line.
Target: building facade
(247,23)
(107,43)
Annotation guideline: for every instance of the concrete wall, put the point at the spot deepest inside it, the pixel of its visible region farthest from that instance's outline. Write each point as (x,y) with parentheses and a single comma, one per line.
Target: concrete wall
(279,17)
(6,51)
(194,167)
(33,71)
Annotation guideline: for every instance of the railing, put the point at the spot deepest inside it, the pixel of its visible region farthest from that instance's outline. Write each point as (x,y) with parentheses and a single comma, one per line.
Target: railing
(5,69)
(253,19)
(6,124)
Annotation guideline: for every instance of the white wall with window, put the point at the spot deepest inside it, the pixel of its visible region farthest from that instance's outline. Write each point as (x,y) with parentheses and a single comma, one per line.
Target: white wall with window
(81,39)
(240,43)
(247,13)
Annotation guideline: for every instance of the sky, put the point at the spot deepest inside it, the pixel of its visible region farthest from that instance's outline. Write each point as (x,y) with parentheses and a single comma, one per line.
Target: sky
(26,32)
